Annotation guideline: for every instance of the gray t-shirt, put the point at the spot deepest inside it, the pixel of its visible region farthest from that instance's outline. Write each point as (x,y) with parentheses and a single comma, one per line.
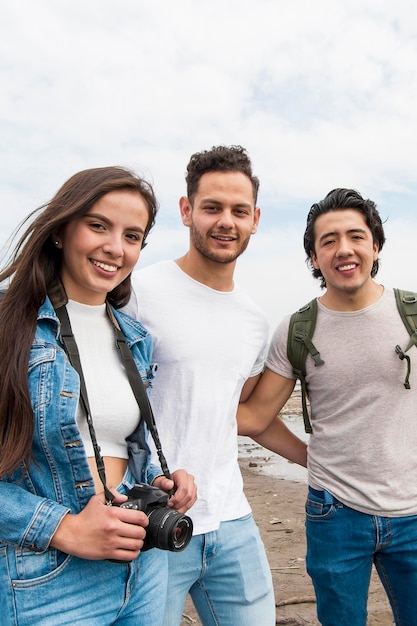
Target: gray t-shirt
(363,446)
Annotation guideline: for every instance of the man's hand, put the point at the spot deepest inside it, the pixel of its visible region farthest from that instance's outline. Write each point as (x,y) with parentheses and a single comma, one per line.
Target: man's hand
(185,489)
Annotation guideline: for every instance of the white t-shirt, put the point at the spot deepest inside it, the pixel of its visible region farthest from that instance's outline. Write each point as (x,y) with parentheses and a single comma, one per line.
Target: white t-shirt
(363,446)
(114,410)
(206,344)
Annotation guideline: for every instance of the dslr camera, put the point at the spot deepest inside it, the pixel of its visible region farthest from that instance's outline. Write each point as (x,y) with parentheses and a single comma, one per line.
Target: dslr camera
(167,529)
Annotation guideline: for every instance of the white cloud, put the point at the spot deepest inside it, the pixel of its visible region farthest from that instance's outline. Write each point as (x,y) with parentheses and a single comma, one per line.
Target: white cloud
(321,94)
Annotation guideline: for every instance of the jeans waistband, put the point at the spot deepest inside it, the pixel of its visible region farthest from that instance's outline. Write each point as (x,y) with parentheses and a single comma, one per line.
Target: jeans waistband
(324,495)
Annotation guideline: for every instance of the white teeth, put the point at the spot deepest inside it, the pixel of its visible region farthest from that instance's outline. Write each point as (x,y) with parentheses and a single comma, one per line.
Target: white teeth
(347,267)
(104,266)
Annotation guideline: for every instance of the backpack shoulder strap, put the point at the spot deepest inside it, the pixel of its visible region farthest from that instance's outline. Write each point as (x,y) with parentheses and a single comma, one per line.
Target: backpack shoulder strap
(407,307)
(299,344)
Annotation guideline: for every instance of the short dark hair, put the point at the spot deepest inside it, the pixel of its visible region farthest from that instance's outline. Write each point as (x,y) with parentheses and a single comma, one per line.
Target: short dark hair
(336,200)
(219,159)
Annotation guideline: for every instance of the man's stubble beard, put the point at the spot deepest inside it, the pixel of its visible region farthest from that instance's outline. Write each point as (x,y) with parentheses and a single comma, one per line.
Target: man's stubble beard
(217,257)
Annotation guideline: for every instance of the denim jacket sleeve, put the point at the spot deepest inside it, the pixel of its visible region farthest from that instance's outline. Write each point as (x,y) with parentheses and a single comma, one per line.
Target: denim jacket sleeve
(37,495)
(27,520)
(152,473)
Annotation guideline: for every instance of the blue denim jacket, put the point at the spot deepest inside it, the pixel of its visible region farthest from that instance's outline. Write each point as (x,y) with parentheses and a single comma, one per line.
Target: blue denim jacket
(34,499)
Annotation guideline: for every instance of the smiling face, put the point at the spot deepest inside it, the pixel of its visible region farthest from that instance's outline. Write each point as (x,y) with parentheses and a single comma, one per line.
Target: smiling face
(101,248)
(222,217)
(344,253)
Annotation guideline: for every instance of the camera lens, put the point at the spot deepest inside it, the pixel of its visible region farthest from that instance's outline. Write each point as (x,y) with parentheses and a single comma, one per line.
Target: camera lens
(181,532)
(168,529)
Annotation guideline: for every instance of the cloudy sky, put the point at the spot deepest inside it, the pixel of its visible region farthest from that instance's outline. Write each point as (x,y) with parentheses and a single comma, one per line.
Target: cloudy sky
(322,94)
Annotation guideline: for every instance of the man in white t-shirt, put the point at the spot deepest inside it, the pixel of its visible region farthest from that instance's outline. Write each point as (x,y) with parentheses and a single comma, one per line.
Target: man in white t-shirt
(209,345)
(362,463)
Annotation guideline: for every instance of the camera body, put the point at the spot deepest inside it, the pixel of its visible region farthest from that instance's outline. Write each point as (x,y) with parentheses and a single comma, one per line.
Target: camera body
(167,529)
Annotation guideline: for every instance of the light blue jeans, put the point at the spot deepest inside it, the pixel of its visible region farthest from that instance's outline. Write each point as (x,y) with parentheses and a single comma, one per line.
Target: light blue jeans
(342,545)
(227,575)
(56,589)
(89,593)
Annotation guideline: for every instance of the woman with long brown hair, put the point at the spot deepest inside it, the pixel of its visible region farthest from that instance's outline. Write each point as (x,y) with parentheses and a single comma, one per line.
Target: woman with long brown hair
(65,556)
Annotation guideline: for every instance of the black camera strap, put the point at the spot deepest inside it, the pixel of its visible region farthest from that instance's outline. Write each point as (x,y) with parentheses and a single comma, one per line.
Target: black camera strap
(135,381)
(139,390)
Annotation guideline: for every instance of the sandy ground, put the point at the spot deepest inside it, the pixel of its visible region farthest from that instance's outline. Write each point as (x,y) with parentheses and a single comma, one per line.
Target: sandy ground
(278,508)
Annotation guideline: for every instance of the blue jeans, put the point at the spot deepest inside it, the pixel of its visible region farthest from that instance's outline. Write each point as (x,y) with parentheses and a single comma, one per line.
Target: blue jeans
(227,575)
(78,591)
(342,545)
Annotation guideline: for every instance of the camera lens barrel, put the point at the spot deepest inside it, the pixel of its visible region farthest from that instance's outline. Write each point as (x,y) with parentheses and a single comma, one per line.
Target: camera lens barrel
(168,530)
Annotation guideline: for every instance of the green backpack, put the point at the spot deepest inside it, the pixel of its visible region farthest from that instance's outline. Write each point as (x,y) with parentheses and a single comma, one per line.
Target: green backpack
(301,331)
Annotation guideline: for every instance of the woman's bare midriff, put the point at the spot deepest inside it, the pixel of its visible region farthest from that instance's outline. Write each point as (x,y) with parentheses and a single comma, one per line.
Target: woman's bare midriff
(115,470)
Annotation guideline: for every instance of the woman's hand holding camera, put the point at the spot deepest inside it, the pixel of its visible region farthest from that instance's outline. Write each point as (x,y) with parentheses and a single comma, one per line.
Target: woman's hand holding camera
(102,532)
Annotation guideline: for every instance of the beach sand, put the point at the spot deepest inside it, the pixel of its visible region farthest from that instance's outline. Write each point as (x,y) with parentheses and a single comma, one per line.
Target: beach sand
(278,509)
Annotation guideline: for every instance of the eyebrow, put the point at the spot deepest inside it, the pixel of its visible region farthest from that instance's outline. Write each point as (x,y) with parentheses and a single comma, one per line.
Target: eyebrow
(334,233)
(220,203)
(101,217)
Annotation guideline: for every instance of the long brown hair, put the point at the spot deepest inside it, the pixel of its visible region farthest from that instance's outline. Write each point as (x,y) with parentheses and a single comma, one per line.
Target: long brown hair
(34,267)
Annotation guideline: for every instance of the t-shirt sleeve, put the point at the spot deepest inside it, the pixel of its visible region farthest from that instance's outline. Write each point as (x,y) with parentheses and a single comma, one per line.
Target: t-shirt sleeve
(259,364)
(277,359)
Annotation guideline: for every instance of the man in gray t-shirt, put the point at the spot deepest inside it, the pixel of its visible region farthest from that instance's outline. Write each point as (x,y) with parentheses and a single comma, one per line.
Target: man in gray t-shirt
(362,467)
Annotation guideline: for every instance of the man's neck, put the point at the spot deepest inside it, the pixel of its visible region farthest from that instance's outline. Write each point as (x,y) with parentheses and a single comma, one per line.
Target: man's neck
(218,276)
(352,301)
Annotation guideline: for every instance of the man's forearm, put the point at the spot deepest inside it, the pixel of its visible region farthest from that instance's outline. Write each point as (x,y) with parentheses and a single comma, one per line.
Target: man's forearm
(279,439)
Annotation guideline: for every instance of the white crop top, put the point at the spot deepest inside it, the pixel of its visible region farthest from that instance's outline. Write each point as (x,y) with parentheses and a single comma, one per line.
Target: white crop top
(114,410)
